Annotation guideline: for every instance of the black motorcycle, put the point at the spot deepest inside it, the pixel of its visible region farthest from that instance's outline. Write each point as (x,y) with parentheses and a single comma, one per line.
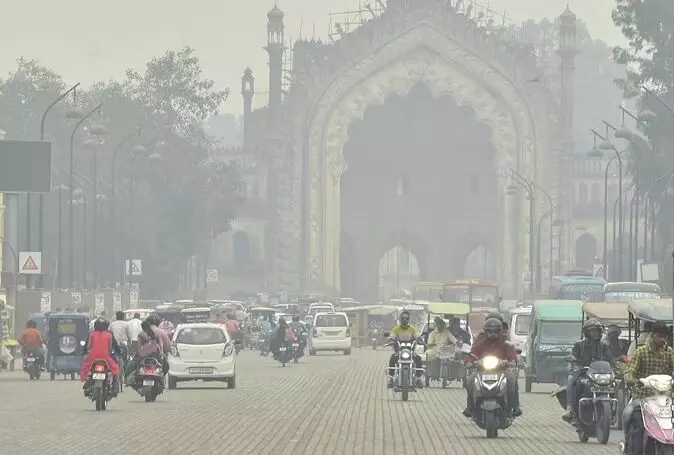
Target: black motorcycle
(491,410)
(405,371)
(100,384)
(285,354)
(32,365)
(596,402)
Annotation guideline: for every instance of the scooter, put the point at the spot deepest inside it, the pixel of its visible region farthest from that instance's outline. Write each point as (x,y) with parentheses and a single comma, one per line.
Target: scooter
(150,379)
(653,433)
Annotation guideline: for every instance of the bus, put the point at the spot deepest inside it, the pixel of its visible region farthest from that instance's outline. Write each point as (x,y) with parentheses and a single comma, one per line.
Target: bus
(578,287)
(427,291)
(628,291)
(481,295)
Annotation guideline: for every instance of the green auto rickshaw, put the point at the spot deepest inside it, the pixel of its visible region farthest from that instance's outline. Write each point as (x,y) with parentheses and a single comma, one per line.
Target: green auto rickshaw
(556,325)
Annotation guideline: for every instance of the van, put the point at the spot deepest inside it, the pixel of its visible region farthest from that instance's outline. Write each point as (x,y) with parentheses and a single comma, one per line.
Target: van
(330,332)
(518,327)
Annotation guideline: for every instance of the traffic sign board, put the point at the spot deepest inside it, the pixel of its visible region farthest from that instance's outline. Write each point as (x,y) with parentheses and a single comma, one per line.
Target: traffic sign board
(136,268)
(598,270)
(31,262)
(212,276)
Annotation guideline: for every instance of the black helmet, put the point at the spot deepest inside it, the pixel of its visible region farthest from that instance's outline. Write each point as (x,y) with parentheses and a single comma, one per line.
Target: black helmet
(495,316)
(153,319)
(492,325)
(593,329)
(100,325)
(296,318)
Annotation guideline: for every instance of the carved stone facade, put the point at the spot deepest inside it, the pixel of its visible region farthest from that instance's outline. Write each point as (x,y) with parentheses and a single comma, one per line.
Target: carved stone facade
(333,85)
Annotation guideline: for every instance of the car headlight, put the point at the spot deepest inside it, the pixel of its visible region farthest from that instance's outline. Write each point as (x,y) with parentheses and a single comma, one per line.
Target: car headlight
(602,379)
(405,355)
(490,362)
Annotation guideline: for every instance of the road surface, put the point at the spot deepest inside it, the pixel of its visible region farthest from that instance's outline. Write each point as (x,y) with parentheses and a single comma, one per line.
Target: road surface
(327,404)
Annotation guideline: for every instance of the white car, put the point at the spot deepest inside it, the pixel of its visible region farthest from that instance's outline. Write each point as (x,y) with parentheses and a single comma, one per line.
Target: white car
(330,332)
(202,351)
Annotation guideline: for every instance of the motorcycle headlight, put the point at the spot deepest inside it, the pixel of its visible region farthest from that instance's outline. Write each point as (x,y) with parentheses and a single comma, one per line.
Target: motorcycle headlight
(405,355)
(490,362)
(602,379)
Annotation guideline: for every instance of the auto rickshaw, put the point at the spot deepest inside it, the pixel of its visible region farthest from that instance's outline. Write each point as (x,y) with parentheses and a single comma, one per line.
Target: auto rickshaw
(380,318)
(64,334)
(254,328)
(614,313)
(448,365)
(556,325)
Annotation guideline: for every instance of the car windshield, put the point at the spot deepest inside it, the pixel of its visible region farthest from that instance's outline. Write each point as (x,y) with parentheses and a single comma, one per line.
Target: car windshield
(522,324)
(628,296)
(560,332)
(331,320)
(201,336)
(583,291)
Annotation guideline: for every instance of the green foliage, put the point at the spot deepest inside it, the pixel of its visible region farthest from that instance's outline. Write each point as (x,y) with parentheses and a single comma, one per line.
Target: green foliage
(648,26)
(183,196)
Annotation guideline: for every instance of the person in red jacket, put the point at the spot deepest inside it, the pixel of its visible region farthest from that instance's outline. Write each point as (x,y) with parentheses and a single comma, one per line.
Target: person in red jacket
(495,345)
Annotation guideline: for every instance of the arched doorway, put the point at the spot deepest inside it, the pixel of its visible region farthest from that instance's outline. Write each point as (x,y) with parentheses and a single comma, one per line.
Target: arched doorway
(586,251)
(479,263)
(398,270)
(422,165)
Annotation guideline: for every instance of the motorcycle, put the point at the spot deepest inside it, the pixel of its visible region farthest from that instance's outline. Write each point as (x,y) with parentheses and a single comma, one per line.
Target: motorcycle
(596,405)
(150,379)
(31,365)
(100,379)
(653,432)
(404,373)
(285,353)
(491,410)
(263,346)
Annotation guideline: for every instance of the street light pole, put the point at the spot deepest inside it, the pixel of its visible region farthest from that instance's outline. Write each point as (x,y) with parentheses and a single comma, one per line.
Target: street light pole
(528,187)
(40,235)
(607,146)
(71,243)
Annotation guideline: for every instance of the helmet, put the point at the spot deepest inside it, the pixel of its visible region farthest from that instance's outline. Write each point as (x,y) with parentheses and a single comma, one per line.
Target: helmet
(101,325)
(614,329)
(492,324)
(593,329)
(495,316)
(296,318)
(153,319)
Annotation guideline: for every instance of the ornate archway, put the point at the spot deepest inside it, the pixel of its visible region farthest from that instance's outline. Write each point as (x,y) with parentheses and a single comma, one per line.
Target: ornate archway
(430,55)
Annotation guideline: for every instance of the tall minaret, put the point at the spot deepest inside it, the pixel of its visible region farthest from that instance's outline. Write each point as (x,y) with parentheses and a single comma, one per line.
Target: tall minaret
(275,48)
(567,52)
(247,92)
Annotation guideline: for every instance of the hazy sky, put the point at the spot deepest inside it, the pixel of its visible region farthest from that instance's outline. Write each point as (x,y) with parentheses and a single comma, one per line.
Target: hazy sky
(86,42)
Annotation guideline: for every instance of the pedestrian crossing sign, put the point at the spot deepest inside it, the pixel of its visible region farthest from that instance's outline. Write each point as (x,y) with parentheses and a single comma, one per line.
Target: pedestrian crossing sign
(31,262)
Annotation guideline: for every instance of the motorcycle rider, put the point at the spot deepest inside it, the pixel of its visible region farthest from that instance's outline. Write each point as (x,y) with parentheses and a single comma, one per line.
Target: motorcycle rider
(282,336)
(299,330)
(100,346)
(150,344)
(494,344)
(439,338)
(612,341)
(165,344)
(655,357)
(455,328)
(122,333)
(642,340)
(504,332)
(589,349)
(404,332)
(32,341)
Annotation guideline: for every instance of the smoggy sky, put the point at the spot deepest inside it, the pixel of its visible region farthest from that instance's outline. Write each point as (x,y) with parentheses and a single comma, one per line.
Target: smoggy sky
(86,41)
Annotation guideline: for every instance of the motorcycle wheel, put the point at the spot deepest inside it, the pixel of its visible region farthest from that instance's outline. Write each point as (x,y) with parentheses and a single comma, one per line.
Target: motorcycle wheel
(405,383)
(296,359)
(491,424)
(444,383)
(99,399)
(603,422)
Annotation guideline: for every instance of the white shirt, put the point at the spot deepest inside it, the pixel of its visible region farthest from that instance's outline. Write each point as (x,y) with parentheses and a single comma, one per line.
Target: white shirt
(120,330)
(134,328)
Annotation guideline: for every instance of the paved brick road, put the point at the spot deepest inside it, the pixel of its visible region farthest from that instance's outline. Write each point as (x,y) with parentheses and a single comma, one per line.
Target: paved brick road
(329,404)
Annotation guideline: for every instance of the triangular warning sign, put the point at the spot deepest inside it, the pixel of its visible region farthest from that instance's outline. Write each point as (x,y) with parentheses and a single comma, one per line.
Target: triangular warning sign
(134,268)
(30,265)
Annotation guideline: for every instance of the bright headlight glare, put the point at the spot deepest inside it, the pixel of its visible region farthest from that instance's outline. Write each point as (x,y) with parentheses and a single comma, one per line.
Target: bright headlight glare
(405,355)
(490,362)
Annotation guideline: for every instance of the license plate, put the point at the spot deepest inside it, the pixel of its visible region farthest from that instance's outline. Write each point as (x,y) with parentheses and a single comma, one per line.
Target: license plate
(148,382)
(296,345)
(282,349)
(30,359)
(490,377)
(201,370)
(98,376)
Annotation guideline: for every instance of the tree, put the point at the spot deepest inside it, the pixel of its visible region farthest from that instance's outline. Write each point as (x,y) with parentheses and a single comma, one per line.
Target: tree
(648,26)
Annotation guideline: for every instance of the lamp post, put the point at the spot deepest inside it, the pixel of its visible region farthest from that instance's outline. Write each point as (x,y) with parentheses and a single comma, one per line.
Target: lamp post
(98,131)
(71,239)
(81,201)
(608,146)
(539,266)
(40,235)
(528,187)
(59,266)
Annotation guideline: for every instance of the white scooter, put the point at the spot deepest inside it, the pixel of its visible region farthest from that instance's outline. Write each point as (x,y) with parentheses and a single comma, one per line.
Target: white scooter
(656,412)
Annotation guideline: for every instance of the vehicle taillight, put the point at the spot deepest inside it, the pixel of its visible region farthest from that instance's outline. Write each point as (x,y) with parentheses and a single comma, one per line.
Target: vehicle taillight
(229,349)
(174,351)
(149,369)
(99,368)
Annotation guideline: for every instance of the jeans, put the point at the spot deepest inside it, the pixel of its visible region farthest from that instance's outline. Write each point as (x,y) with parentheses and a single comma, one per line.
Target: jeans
(394,360)
(632,406)
(571,391)
(512,390)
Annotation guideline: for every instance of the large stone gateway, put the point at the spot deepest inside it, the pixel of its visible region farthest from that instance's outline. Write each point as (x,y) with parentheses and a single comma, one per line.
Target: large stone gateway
(403,132)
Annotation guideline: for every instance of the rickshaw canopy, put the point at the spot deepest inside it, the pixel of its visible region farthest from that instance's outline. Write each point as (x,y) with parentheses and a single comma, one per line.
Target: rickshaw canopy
(606,311)
(651,310)
(442,308)
(383,310)
(560,310)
